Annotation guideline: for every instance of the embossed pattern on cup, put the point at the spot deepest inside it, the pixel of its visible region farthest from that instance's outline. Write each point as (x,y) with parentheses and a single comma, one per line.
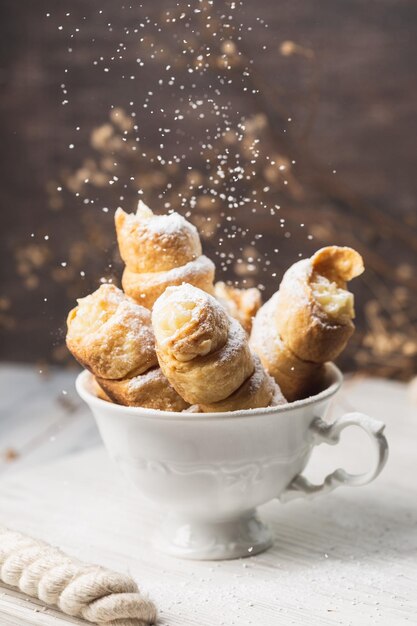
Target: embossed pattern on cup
(207,473)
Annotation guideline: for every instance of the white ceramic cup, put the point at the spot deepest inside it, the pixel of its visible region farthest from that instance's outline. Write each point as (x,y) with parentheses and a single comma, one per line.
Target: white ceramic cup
(207,472)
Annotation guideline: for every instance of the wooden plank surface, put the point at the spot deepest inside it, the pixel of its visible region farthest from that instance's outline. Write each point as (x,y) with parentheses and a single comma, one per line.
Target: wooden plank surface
(41,416)
(349,558)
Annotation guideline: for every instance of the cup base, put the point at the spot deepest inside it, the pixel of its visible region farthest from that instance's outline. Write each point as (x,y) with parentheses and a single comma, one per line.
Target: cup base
(209,541)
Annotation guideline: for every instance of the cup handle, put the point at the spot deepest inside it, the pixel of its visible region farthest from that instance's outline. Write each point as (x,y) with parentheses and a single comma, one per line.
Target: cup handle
(322,432)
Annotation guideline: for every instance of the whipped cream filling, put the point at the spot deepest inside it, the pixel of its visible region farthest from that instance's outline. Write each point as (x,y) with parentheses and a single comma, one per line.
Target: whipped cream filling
(335,301)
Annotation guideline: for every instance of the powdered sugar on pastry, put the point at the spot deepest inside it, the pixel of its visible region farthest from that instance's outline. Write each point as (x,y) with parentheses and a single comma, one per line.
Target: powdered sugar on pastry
(242,304)
(111,335)
(159,251)
(184,319)
(308,321)
(259,390)
(204,353)
(155,242)
(150,390)
(314,316)
(145,288)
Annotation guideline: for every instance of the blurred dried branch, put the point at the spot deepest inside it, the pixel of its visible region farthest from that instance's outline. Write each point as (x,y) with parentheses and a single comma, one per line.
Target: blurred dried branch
(229,160)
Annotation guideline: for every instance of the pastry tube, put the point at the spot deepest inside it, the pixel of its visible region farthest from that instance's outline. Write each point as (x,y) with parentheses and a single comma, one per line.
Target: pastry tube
(147,287)
(159,251)
(242,304)
(150,390)
(296,378)
(259,390)
(314,312)
(111,335)
(98,390)
(155,242)
(201,350)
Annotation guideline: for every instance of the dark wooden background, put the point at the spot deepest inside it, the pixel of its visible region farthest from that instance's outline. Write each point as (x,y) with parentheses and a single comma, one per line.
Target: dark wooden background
(343,72)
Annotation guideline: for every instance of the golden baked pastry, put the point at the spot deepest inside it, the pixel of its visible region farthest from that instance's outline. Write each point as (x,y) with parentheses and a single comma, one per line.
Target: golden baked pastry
(147,287)
(315,312)
(242,304)
(159,251)
(111,335)
(150,390)
(259,390)
(155,242)
(295,377)
(98,390)
(204,352)
(308,321)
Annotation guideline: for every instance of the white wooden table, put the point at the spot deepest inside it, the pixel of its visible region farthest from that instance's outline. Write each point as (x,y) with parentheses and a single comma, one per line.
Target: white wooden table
(349,558)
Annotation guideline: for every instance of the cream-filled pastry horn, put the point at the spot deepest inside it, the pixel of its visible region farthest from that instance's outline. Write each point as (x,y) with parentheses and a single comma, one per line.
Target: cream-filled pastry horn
(151,390)
(242,304)
(205,355)
(160,251)
(296,378)
(98,391)
(308,321)
(112,337)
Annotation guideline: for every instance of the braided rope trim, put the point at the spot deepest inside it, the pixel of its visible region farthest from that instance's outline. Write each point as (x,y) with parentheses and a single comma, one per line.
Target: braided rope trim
(91,592)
